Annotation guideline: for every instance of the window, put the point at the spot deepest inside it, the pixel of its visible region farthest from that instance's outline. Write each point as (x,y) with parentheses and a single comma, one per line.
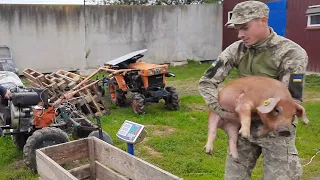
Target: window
(229,15)
(313,13)
(314,20)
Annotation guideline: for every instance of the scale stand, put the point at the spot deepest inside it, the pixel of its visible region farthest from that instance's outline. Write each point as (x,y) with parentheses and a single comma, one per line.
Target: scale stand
(131,133)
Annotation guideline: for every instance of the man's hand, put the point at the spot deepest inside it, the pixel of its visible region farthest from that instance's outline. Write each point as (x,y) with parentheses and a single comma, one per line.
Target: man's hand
(224,114)
(219,110)
(8,94)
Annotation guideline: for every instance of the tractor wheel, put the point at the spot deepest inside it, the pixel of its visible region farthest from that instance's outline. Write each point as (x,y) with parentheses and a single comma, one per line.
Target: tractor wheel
(172,101)
(116,96)
(20,140)
(47,136)
(101,90)
(105,136)
(138,103)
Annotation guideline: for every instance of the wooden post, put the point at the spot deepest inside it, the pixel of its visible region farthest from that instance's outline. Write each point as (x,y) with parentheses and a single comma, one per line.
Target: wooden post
(92,158)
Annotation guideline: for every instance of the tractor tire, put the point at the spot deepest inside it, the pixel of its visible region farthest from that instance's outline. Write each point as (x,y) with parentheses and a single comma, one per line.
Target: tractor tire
(20,140)
(105,136)
(172,101)
(102,90)
(138,103)
(44,137)
(116,96)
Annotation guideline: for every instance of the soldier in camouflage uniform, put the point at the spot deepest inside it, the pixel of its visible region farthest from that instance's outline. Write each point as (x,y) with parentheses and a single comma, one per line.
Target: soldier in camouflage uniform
(260,52)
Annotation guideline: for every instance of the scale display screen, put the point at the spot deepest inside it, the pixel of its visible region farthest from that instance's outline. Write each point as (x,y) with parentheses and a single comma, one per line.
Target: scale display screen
(130,131)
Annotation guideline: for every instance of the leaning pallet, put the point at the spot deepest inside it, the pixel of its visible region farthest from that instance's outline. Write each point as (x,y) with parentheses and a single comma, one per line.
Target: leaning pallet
(88,101)
(92,158)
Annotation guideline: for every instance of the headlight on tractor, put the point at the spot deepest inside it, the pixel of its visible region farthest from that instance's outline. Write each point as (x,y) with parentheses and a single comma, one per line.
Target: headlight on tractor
(150,72)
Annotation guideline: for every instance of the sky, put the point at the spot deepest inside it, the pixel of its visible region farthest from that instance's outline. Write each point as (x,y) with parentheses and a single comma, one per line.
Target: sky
(41,1)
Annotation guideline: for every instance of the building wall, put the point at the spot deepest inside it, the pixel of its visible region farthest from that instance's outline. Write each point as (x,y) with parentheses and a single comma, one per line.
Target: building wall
(229,34)
(44,38)
(170,33)
(50,37)
(297,31)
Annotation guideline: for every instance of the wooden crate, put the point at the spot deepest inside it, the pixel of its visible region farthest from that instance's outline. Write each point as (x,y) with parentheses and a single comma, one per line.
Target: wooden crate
(91,158)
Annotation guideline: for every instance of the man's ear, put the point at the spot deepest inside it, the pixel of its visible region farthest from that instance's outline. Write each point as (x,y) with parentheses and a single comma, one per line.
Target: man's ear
(263,21)
(268,105)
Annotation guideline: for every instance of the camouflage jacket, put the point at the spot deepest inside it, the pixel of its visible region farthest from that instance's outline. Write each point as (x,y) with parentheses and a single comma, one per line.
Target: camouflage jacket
(276,57)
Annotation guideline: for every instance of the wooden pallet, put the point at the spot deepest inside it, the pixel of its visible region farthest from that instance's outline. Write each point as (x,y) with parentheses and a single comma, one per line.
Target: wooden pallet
(58,83)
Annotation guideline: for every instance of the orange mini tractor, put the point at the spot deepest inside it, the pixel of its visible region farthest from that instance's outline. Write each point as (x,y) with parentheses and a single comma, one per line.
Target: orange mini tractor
(146,82)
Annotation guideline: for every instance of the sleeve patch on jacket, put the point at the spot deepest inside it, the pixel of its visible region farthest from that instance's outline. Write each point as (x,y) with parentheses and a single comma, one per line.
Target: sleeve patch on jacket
(213,69)
(296,85)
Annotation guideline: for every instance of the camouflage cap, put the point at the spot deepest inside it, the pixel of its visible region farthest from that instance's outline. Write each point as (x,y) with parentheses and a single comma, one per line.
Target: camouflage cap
(247,11)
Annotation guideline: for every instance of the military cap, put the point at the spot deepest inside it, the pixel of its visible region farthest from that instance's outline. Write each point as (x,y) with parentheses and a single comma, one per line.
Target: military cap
(247,11)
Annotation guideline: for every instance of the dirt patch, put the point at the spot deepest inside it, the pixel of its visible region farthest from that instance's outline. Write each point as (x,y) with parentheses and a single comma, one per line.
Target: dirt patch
(198,107)
(189,86)
(18,164)
(311,95)
(312,99)
(146,139)
(149,149)
(162,132)
(153,152)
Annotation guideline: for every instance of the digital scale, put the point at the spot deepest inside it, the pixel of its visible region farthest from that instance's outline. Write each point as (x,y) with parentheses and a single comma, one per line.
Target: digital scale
(131,133)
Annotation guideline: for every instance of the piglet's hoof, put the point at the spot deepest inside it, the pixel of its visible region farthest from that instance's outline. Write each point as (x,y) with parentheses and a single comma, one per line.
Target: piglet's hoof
(208,149)
(234,157)
(244,134)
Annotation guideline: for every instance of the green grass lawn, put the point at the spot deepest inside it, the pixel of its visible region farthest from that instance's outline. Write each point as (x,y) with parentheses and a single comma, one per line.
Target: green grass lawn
(175,139)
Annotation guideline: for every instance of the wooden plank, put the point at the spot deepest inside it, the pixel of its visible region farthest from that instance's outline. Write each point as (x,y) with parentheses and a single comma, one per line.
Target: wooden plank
(33,83)
(128,165)
(92,160)
(30,77)
(91,99)
(33,75)
(81,172)
(96,98)
(67,152)
(62,84)
(86,104)
(104,172)
(48,169)
(69,75)
(72,85)
(50,79)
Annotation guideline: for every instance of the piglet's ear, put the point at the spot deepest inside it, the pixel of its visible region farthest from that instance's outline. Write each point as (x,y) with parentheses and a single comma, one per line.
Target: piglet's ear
(301,113)
(268,105)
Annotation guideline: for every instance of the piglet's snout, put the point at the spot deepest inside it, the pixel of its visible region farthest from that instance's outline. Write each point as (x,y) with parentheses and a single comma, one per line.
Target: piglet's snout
(284,131)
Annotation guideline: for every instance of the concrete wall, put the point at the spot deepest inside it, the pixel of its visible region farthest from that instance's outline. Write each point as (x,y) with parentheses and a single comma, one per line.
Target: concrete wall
(50,37)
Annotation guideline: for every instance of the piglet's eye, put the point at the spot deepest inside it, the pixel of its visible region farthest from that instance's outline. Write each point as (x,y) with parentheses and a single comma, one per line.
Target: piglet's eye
(276,111)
